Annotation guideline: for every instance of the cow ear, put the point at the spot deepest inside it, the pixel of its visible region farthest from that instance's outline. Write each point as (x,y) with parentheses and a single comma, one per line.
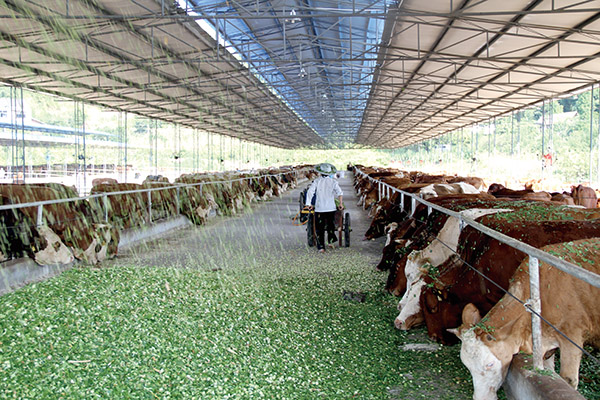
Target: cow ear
(470,315)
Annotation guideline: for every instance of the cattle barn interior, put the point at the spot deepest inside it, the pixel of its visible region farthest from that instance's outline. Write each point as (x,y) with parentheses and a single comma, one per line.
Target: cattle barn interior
(154,153)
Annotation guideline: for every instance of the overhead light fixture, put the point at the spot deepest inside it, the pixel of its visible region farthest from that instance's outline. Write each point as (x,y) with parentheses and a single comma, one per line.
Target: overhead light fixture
(302,73)
(293,18)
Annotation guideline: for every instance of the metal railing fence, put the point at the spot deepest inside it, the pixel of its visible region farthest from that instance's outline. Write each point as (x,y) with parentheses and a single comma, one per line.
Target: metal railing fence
(40,204)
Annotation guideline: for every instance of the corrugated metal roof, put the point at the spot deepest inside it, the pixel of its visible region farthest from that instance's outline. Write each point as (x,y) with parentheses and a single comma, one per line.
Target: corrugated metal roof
(145,57)
(449,64)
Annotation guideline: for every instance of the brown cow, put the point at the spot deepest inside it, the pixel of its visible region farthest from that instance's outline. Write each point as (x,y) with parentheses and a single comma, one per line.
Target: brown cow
(502,192)
(562,198)
(419,177)
(387,210)
(584,196)
(66,192)
(567,303)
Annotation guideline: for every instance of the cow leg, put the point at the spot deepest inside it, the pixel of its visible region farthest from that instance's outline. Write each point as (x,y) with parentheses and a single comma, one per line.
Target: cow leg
(570,358)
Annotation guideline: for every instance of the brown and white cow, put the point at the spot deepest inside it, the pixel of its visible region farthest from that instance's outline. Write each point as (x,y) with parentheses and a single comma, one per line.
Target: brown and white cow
(455,284)
(436,253)
(420,232)
(64,220)
(397,281)
(444,189)
(567,303)
(474,181)
(19,237)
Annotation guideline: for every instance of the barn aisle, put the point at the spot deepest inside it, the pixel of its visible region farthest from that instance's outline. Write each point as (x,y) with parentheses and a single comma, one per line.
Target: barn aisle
(264,229)
(238,309)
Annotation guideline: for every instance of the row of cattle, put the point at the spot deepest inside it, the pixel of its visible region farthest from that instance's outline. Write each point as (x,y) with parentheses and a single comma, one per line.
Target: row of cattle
(448,275)
(88,229)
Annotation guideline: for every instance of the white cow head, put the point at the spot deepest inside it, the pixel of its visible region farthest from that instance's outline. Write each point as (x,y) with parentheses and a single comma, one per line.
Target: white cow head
(410,310)
(55,253)
(486,352)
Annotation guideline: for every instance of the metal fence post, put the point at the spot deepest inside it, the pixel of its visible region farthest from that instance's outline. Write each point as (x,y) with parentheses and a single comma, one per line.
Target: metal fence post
(105,203)
(177,203)
(402,200)
(413,206)
(40,215)
(535,304)
(149,206)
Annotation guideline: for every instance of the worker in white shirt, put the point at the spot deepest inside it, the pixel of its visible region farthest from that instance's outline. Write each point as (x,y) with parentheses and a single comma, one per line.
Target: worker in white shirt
(326,189)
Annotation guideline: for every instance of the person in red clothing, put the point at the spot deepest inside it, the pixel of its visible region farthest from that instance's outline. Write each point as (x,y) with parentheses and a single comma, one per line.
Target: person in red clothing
(548,159)
(326,189)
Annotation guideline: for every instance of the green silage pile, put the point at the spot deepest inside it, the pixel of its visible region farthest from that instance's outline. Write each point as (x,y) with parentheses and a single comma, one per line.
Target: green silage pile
(274,328)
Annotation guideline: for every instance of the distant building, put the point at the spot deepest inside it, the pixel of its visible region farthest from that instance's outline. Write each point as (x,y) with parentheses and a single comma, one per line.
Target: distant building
(18,116)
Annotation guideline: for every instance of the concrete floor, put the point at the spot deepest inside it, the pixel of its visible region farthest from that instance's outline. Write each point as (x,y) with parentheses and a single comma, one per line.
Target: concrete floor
(266,228)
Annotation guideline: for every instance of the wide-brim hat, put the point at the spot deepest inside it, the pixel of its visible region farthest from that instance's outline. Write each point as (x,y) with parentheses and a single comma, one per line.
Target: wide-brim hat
(325,169)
